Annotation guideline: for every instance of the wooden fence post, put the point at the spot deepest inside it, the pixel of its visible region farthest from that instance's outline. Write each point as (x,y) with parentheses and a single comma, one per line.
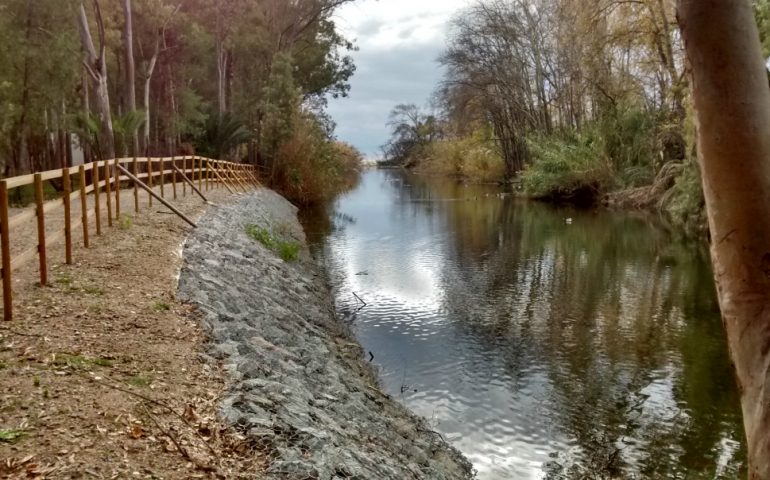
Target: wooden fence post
(65,173)
(200,173)
(184,170)
(208,174)
(162,177)
(108,190)
(173,176)
(83,203)
(117,191)
(5,245)
(40,229)
(135,166)
(97,199)
(149,179)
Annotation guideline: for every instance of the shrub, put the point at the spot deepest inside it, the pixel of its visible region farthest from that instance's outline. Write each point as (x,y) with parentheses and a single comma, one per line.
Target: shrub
(474,157)
(565,168)
(311,168)
(286,249)
(684,202)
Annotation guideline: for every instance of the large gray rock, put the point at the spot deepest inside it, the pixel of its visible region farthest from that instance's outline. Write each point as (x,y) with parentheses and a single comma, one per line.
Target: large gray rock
(301,389)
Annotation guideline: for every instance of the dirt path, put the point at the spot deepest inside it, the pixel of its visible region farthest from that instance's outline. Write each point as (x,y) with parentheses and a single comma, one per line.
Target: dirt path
(100,374)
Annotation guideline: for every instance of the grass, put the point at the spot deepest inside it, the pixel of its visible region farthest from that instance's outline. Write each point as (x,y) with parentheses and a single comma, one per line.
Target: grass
(289,251)
(10,435)
(93,290)
(161,306)
(64,279)
(286,249)
(126,222)
(139,381)
(79,362)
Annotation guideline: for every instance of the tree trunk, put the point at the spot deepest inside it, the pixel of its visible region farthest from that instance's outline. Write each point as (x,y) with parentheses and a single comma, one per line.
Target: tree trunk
(732,103)
(96,66)
(128,44)
(149,70)
(221,62)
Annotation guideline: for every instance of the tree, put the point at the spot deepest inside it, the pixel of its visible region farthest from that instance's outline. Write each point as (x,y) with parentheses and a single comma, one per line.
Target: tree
(732,103)
(95,64)
(128,44)
(411,130)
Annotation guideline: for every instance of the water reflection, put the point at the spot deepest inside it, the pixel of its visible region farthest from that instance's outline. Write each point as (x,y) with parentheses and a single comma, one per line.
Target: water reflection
(542,342)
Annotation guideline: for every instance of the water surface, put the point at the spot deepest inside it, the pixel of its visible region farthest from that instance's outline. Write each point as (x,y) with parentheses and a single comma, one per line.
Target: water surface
(542,342)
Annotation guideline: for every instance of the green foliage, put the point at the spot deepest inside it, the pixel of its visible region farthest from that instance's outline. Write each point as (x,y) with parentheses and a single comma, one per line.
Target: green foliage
(628,140)
(222,135)
(79,362)
(261,235)
(562,167)
(684,203)
(322,67)
(126,222)
(281,100)
(141,381)
(10,435)
(288,250)
(123,127)
(39,68)
(161,306)
(762,14)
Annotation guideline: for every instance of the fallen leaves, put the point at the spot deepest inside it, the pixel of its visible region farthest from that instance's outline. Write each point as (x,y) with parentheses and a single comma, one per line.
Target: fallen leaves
(67,343)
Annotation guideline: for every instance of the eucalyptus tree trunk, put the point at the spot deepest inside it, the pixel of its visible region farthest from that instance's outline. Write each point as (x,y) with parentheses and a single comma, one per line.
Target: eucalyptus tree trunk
(149,70)
(732,103)
(128,45)
(96,66)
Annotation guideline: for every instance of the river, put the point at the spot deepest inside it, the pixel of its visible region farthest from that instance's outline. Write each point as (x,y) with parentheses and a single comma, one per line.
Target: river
(541,341)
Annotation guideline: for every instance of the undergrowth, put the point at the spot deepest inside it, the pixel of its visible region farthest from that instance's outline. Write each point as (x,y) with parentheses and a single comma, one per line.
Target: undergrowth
(563,166)
(286,249)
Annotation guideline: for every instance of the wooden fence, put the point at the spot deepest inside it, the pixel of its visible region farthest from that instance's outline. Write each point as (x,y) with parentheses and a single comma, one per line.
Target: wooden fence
(109,176)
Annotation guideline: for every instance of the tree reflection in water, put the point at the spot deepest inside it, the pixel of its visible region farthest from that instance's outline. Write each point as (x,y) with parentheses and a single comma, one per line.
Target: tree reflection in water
(541,346)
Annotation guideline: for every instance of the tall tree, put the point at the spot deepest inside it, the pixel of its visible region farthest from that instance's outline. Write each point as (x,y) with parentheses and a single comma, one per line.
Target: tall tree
(732,103)
(95,64)
(128,45)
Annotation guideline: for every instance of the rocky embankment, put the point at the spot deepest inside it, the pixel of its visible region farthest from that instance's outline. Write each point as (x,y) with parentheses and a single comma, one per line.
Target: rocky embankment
(301,389)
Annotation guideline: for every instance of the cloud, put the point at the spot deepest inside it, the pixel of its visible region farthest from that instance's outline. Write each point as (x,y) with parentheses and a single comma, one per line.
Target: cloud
(400,42)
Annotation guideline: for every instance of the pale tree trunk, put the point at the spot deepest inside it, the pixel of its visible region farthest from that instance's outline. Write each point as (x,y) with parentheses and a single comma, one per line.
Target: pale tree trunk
(85,143)
(149,70)
(732,103)
(96,66)
(221,62)
(128,44)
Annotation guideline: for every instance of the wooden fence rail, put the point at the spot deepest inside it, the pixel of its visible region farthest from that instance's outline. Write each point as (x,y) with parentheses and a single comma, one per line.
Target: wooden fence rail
(106,177)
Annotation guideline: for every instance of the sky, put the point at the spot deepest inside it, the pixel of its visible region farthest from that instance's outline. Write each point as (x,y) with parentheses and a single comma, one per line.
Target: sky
(399,43)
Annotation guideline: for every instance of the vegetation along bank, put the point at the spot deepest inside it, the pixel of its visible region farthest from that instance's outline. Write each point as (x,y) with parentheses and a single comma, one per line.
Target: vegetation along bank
(570,101)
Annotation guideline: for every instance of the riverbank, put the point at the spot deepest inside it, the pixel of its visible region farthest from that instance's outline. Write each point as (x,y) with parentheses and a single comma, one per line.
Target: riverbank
(301,389)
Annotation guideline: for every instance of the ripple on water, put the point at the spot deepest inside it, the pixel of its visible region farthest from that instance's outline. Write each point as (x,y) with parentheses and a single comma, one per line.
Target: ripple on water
(534,346)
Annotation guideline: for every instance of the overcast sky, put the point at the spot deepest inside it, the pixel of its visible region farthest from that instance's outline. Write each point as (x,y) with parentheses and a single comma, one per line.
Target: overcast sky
(399,41)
